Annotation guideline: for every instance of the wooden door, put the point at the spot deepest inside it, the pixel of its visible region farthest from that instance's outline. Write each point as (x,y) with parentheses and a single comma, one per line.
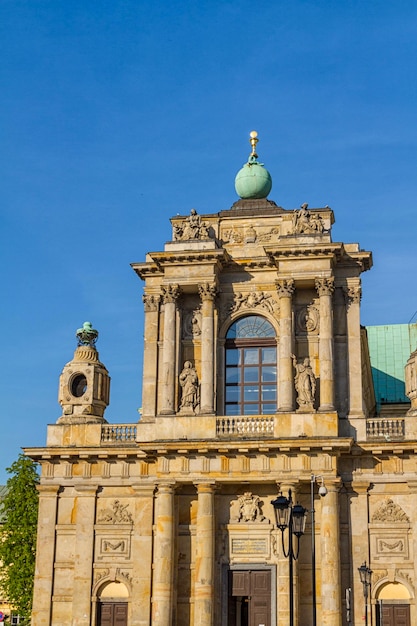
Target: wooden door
(249,598)
(112,614)
(393,615)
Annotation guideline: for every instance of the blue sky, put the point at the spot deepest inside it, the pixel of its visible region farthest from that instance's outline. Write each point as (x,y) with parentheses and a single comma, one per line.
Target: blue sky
(117,115)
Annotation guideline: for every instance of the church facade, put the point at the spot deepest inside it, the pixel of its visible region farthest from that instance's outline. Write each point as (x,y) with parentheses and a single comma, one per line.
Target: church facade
(257,385)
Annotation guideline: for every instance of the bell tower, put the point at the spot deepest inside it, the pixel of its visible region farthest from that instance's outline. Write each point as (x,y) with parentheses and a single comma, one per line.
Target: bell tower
(84,385)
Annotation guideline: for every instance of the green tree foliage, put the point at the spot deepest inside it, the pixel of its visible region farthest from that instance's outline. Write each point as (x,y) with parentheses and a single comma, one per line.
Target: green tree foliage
(18,535)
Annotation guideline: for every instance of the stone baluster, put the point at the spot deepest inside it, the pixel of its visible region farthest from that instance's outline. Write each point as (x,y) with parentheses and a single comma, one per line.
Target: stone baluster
(207,294)
(353,298)
(285,289)
(45,549)
(163,565)
(331,613)
(204,560)
(170,295)
(85,512)
(325,288)
(150,355)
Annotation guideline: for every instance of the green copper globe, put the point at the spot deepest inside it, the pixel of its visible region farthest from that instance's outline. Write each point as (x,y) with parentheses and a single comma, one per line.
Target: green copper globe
(253,180)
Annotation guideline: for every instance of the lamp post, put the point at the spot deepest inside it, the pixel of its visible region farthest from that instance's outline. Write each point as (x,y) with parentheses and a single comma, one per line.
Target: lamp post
(365,573)
(322,493)
(292,517)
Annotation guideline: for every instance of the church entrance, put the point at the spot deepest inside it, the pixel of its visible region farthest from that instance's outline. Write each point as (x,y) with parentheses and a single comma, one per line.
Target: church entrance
(249,602)
(112,614)
(393,614)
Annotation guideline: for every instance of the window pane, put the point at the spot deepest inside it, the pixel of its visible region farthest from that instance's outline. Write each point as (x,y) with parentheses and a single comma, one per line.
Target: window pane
(269,392)
(251,326)
(269,374)
(251,393)
(232,356)
(250,409)
(251,374)
(269,355)
(232,375)
(251,356)
(232,409)
(267,409)
(232,394)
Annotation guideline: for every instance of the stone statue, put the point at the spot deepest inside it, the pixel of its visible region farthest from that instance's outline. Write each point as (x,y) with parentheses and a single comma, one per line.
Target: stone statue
(190,390)
(305,383)
(306,222)
(192,228)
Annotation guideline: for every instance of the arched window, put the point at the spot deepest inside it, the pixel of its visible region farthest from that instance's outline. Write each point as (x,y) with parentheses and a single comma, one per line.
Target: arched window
(251,367)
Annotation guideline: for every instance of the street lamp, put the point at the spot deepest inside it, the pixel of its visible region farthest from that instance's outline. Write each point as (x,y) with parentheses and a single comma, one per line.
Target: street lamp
(293,517)
(365,573)
(322,493)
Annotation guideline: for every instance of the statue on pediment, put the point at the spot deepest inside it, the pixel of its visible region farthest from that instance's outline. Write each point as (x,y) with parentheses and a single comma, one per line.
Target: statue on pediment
(307,222)
(193,228)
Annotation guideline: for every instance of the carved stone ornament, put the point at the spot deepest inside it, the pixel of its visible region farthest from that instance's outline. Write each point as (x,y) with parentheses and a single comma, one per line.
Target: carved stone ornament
(390,513)
(268,235)
(191,323)
(193,228)
(254,300)
(207,291)
(249,510)
(151,302)
(353,294)
(305,384)
(285,288)
(170,293)
(325,286)
(378,574)
(307,320)
(232,236)
(306,222)
(118,514)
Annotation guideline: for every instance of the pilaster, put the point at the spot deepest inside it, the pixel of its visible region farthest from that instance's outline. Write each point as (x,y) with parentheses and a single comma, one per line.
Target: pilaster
(207,294)
(325,288)
(285,290)
(204,560)
(163,559)
(170,296)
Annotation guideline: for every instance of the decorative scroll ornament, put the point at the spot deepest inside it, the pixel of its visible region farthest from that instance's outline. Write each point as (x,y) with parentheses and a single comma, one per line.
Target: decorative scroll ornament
(389,512)
(192,324)
(118,514)
(249,509)
(193,228)
(307,319)
(304,221)
(232,236)
(254,300)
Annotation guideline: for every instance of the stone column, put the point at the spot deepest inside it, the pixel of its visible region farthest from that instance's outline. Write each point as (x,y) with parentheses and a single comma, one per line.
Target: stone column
(170,295)
(163,559)
(358,513)
(331,606)
(150,356)
(325,288)
(340,354)
(85,512)
(207,294)
(204,560)
(285,289)
(142,554)
(353,298)
(45,551)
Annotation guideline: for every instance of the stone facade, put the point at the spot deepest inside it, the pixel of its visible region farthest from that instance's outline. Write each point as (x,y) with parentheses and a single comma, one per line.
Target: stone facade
(163,520)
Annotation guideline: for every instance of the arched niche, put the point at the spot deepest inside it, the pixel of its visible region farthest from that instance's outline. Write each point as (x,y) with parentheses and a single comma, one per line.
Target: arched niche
(393,591)
(112,591)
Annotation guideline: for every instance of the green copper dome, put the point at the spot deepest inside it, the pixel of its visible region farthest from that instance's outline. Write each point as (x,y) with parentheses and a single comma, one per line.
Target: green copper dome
(253,180)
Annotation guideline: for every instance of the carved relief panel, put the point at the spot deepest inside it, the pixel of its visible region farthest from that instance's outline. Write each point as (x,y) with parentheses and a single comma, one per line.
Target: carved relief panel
(389,533)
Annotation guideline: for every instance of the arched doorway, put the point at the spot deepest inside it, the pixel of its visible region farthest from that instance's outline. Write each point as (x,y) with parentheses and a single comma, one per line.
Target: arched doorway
(393,605)
(112,606)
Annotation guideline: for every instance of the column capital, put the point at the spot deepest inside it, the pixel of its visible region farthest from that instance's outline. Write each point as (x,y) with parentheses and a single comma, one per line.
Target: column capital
(86,490)
(207,291)
(151,301)
(170,293)
(48,490)
(166,487)
(205,487)
(353,294)
(325,286)
(285,287)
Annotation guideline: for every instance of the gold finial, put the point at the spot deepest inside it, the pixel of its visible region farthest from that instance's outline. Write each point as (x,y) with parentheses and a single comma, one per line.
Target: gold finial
(253,141)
